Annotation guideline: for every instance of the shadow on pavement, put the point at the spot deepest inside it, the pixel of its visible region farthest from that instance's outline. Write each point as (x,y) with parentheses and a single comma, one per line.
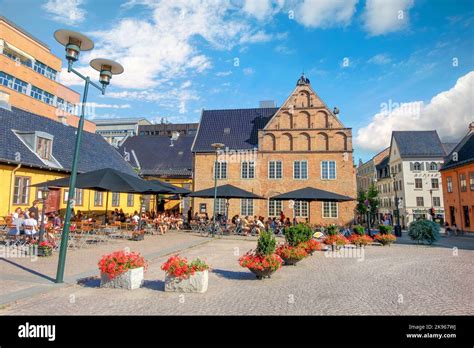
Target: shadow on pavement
(154,285)
(234,275)
(38,274)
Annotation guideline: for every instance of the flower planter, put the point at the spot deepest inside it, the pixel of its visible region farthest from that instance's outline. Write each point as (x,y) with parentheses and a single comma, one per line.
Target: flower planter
(132,279)
(45,251)
(335,247)
(291,261)
(261,274)
(196,282)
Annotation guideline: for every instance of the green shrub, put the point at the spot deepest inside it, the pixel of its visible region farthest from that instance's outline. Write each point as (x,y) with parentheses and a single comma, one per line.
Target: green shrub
(424,230)
(358,229)
(266,243)
(300,233)
(385,229)
(332,230)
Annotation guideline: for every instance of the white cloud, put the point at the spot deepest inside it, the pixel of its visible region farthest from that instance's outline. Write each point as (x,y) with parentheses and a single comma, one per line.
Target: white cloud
(380,59)
(65,11)
(262,9)
(109,106)
(284,49)
(449,112)
(323,13)
(382,16)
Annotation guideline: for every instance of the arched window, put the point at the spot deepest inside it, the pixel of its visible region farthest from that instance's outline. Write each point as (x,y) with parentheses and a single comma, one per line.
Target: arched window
(269,142)
(322,142)
(304,141)
(286,143)
(433,166)
(417,166)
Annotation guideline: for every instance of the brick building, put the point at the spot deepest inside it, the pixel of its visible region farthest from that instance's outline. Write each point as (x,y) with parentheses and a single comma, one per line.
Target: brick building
(458,183)
(270,151)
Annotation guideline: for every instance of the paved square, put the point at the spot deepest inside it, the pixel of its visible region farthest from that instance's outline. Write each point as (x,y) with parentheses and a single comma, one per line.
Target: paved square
(403,279)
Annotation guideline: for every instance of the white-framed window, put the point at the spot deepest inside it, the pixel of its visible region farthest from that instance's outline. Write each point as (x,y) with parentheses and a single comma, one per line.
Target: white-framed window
(247,170)
(330,210)
(449,183)
(301,209)
(13,82)
(98,198)
(420,202)
(274,207)
(220,205)
(130,200)
(275,170)
(434,183)
(246,207)
(300,170)
(21,190)
(436,201)
(220,170)
(433,166)
(417,166)
(328,170)
(115,199)
(44,147)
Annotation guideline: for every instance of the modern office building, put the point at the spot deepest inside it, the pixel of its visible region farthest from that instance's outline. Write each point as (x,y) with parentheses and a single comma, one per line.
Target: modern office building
(116,130)
(29,75)
(168,129)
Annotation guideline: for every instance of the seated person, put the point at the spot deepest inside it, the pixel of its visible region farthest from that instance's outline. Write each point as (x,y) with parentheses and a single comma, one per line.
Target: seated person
(31,226)
(246,226)
(259,225)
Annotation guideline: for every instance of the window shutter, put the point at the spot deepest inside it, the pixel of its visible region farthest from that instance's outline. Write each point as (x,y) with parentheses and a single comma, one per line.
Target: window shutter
(411,166)
(422,166)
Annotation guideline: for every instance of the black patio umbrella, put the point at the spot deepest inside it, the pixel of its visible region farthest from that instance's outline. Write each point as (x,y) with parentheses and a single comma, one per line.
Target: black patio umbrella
(225,191)
(111,180)
(311,194)
(176,189)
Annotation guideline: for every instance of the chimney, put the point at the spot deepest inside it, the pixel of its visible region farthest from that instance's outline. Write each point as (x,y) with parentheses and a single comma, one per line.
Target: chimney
(5,101)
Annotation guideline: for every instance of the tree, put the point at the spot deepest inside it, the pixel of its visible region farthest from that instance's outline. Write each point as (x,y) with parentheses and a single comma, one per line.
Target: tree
(361,207)
(372,197)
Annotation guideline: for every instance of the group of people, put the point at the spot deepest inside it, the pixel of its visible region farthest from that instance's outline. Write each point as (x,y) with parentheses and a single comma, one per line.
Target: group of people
(25,224)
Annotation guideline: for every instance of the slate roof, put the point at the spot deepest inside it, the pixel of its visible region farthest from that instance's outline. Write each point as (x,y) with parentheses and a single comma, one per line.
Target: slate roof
(95,153)
(448,147)
(419,143)
(465,153)
(236,128)
(156,156)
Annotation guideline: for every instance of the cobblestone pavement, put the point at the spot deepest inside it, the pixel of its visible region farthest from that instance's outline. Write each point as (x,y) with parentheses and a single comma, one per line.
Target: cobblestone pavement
(402,279)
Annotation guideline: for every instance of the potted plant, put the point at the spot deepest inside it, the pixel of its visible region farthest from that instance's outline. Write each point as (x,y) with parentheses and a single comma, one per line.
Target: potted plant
(360,239)
(311,246)
(332,230)
(262,262)
(385,239)
(42,249)
(291,255)
(383,229)
(138,235)
(424,230)
(336,241)
(122,269)
(358,229)
(182,276)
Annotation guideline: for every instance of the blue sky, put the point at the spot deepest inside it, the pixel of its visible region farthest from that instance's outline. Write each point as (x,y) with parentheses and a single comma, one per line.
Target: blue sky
(365,57)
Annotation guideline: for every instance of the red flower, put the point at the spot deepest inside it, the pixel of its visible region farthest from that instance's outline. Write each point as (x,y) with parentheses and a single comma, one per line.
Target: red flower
(251,260)
(360,240)
(178,267)
(120,262)
(286,251)
(336,239)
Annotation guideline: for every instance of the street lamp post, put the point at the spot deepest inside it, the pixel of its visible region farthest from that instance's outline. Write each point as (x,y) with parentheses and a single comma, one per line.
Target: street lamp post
(216,147)
(44,197)
(398,230)
(75,43)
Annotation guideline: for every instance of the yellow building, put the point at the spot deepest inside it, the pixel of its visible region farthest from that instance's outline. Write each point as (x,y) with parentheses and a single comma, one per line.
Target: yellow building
(29,74)
(35,149)
(162,158)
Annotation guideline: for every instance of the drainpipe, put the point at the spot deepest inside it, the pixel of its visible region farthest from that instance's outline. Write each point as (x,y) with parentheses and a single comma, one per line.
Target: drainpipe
(12,187)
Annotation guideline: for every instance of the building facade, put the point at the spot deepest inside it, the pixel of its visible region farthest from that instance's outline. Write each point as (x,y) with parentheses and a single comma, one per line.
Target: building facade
(29,74)
(35,149)
(270,151)
(366,173)
(116,130)
(168,129)
(415,160)
(458,183)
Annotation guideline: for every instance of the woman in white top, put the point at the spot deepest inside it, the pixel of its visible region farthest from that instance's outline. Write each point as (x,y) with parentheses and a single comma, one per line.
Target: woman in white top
(30,225)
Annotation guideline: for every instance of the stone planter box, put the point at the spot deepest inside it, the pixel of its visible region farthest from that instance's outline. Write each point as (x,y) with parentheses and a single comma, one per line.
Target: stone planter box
(197,282)
(132,279)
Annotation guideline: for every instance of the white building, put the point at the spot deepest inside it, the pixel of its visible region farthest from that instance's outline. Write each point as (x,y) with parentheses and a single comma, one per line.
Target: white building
(116,130)
(415,158)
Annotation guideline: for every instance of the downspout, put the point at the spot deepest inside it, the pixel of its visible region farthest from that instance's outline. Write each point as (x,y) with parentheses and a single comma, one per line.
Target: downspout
(12,187)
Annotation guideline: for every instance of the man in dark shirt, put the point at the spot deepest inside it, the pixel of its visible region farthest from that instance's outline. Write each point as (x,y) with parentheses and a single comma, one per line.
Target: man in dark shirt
(34,209)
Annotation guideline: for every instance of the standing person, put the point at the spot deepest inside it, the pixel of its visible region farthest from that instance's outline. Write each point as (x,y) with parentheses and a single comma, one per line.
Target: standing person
(34,209)
(190,214)
(282,216)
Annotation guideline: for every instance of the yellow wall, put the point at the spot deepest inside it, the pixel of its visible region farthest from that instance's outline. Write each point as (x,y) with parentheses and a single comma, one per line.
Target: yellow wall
(37,176)
(180,182)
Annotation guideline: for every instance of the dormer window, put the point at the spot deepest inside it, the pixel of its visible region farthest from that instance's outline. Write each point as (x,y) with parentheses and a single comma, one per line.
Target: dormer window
(44,147)
(226,130)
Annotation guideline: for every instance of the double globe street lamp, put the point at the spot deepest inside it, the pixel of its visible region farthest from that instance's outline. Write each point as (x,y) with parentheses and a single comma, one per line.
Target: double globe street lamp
(74,43)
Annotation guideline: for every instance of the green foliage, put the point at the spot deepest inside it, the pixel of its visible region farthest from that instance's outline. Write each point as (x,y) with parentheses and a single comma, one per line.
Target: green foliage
(332,230)
(372,196)
(266,243)
(361,207)
(424,230)
(300,233)
(358,229)
(385,229)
